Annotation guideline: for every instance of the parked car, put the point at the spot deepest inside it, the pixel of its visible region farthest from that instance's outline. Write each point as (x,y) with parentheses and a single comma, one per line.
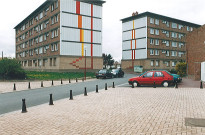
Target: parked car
(149,77)
(104,73)
(177,77)
(117,72)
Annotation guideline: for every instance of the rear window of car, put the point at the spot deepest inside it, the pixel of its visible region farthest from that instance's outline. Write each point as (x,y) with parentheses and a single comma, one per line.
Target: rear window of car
(149,74)
(158,74)
(102,71)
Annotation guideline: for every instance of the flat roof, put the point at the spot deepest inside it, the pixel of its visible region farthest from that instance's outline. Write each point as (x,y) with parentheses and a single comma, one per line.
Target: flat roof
(95,2)
(166,18)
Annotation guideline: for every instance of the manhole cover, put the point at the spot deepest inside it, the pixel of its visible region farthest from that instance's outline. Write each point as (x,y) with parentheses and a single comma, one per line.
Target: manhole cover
(194,122)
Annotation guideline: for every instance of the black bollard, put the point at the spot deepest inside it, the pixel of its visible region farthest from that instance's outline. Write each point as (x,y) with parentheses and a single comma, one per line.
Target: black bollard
(61,81)
(29,85)
(24,110)
(69,80)
(85,92)
(176,85)
(154,85)
(41,83)
(201,85)
(52,83)
(105,86)
(133,85)
(14,87)
(113,85)
(71,95)
(51,100)
(96,88)
(76,79)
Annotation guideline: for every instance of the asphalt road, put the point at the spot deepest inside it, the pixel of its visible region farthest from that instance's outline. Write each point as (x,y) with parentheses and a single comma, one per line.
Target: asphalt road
(13,101)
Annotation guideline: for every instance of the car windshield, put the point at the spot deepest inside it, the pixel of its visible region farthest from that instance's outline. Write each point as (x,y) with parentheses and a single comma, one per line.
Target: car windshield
(102,71)
(115,70)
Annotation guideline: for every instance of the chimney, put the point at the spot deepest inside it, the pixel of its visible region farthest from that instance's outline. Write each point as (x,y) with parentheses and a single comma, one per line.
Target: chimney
(134,13)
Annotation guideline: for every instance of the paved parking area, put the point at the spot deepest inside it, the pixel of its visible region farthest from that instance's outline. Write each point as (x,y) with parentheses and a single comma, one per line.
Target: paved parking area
(141,111)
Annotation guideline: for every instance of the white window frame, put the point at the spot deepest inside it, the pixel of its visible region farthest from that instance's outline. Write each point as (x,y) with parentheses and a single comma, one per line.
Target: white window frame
(157,21)
(156,41)
(152,31)
(174,44)
(152,63)
(151,41)
(167,53)
(156,32)
(174,63)
(157,63)
(152,20)
(174,25)
(174,53)
(156,52)
(151,52)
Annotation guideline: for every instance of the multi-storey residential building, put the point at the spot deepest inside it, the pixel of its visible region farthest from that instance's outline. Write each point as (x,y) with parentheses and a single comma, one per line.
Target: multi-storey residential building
(153,41)
(59,34)
(195,42)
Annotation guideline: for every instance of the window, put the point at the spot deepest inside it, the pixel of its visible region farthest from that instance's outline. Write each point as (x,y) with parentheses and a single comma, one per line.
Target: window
(36,18)
(174,35)
(174,44)
(174,25)
(158,74)
(39,63)
(56,18)
(52,7)
(151,41)
(56,47)
(181,35)
(166,22)
(151,31)
(157,63)
(52,47)
(180,54)
(41,26)
(163,51)
(164,41)
(41,39)
(174,63)
(157,21)
(152,63)
(56,32)
(36,51)
(156,32)
(191,29)
(40,50)
(50,61)
(56,4)
(156,52)
(36,40)
(54,61)
(156,42)
(180,26)
(167,34)
(149,74)
(167,53)
(174,53)
(152,20)
(41,15)
(151,52)
(167,63)
(181,44)
(52,20)
(167,43)
(188,29)
(52,35)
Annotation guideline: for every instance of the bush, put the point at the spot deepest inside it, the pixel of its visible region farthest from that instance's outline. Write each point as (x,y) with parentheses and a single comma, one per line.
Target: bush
(11,69)
(181,69)
(173,71)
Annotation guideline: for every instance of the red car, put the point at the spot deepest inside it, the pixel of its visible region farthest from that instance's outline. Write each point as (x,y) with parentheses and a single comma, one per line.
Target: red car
(149,77)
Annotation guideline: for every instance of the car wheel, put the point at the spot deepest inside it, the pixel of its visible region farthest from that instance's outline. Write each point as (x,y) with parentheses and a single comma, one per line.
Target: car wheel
(136,84)
(165,84)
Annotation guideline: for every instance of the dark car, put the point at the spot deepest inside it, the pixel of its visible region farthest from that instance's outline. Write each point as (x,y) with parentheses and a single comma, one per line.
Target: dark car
(104,73)
(149,77)
(177,77)
(117,72)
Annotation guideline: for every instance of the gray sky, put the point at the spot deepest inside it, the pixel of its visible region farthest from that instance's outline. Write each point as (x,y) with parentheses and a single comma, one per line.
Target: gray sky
(14,11)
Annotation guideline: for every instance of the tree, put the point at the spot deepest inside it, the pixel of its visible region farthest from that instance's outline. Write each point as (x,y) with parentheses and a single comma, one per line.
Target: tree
(11,69)
(108,60)
(181,69)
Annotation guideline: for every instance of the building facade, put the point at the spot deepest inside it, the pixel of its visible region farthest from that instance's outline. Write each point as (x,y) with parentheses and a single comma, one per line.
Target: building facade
(195,52)
(153,41)
(61,35)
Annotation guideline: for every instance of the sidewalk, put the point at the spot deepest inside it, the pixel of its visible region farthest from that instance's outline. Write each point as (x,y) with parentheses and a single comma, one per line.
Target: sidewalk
(20,86)
(138,111)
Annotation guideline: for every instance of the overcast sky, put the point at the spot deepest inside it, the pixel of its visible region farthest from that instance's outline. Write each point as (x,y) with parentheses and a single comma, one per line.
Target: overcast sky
(13,12)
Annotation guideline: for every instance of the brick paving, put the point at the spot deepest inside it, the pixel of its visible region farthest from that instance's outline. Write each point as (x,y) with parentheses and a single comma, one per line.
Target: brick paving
(141,111)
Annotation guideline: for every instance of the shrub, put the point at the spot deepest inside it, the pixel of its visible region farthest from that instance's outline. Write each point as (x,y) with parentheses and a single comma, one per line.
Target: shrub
(173,71)
(181,68)
(11,69)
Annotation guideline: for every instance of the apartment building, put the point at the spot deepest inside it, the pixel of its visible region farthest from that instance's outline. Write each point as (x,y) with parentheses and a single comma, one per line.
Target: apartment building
(61,35)
(154,41)
(195,42)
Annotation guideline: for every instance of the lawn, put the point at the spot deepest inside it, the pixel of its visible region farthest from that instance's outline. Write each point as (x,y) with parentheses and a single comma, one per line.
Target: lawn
(34,75)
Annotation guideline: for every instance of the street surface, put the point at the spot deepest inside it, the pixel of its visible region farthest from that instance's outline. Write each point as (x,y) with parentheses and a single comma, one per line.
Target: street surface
(13,101)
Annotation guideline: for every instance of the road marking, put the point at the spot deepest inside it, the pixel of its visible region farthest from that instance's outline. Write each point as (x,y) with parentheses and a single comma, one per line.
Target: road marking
(122,84)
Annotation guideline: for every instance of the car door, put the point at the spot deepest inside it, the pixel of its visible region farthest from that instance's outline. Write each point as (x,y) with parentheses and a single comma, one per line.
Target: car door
(158,77)
(147,78)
